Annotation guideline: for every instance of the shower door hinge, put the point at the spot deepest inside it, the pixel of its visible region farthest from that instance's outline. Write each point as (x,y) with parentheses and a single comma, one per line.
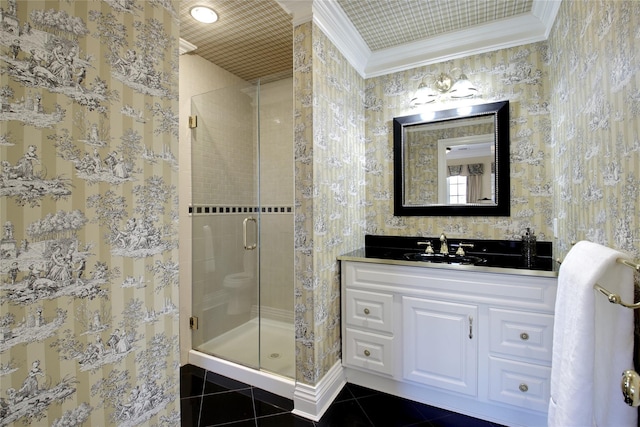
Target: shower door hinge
(193,322)
(193,122)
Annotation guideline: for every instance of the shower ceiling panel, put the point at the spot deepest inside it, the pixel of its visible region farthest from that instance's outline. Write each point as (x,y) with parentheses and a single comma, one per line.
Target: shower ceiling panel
(252,38)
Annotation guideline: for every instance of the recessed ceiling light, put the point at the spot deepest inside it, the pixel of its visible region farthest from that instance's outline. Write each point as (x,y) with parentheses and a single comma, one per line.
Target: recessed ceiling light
(204,14)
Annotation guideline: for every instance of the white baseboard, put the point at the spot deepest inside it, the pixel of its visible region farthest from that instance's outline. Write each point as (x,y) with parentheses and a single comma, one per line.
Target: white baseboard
(312,401)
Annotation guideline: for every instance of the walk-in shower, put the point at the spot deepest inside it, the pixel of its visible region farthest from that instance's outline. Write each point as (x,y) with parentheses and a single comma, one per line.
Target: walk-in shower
(242,230)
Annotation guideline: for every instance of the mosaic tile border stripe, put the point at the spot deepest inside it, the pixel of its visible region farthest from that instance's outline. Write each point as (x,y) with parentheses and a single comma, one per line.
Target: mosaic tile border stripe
(224,209)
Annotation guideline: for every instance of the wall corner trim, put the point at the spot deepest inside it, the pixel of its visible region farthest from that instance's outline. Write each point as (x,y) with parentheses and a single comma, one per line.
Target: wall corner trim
(312,401)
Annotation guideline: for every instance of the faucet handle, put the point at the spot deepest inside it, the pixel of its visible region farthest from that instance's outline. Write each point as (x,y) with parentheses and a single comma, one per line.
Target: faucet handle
(461,246)
(429,249)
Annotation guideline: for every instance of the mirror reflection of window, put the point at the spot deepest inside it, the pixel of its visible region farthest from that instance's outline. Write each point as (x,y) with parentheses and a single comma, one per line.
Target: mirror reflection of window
(457,190)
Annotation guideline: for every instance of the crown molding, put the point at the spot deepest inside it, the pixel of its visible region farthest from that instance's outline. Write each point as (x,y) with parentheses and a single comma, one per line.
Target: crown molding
(472,41)
(523,29)
(186,47)
(332,20)
(546,12)
(300,10)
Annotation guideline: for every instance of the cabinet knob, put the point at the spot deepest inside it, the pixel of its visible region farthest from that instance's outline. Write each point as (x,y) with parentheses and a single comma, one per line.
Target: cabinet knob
(523,388)
(524,336)
(366,311)
(367,353)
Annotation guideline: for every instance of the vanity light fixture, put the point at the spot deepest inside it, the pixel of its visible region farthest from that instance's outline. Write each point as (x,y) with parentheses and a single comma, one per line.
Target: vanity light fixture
(446,87)
(443,82)
(204,14)
(463,88)
(424,95)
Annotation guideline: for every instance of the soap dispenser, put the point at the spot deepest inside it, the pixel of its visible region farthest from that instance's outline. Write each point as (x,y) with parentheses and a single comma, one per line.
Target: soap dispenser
(529,249)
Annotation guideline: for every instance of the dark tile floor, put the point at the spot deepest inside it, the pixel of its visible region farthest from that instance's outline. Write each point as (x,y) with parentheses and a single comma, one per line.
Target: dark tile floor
(209,399)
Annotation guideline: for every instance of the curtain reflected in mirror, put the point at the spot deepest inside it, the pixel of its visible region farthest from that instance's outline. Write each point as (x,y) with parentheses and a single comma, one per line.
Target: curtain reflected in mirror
(474,183)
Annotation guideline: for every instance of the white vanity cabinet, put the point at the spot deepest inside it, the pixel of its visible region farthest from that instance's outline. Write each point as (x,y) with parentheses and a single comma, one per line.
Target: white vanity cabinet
(475,341)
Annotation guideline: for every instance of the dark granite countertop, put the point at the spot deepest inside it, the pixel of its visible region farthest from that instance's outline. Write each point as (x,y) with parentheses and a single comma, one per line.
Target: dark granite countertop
(496,256)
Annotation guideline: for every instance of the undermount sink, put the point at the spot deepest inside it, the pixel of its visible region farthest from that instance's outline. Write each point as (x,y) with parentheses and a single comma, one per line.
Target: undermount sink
(443,258)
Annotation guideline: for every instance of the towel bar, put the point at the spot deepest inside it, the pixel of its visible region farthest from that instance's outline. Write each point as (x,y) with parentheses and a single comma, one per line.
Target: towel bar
(615,298)
(628,263)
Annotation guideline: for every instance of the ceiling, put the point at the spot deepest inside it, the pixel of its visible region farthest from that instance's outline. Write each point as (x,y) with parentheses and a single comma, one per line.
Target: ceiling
(251,39)
(254,39)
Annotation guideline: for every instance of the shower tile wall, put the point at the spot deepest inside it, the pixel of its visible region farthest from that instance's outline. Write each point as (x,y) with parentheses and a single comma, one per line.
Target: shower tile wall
(276,191)
(276,267)
(223,160)
(276,141)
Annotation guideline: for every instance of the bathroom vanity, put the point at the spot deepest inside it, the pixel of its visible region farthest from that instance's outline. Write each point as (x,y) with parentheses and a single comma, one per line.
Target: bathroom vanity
(468,338)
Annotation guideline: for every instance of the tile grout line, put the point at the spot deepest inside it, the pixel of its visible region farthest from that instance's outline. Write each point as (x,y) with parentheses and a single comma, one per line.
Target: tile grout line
(363,411)
(204,385)
(253,404)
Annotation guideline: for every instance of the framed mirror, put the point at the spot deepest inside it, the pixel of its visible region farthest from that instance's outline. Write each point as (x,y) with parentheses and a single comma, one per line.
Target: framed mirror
(452,162)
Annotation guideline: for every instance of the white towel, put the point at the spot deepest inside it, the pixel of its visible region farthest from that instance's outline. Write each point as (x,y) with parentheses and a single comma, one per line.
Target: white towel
(592,341)
(209,257)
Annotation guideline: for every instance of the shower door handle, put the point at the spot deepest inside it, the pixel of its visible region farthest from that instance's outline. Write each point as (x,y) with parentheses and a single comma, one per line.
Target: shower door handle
(244,233)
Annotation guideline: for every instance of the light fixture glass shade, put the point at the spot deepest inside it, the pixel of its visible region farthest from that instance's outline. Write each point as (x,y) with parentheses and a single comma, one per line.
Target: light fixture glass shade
(423,95)
(204,14)
(463,88)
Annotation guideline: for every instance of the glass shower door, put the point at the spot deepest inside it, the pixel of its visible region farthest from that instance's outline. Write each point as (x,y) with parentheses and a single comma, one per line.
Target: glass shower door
(226,223)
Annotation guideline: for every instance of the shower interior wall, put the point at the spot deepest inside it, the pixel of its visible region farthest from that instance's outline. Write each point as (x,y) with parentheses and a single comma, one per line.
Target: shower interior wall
(207,176)
(276,192)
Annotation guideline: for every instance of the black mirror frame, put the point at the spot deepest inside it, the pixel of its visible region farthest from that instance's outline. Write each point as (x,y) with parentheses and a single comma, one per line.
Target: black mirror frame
(500,110)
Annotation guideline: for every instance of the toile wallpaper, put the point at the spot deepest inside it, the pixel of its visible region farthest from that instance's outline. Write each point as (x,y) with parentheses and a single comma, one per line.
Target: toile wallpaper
(329,192)
(516,74)
(594,74)
(574,154)
(88,186)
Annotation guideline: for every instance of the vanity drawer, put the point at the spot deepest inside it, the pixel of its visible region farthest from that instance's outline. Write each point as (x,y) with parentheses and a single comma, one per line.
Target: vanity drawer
(521,334)
(521,384)
(370,351)
(370,310)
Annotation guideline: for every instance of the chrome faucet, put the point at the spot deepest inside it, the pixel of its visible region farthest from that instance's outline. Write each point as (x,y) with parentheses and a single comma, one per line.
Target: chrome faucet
(444,248)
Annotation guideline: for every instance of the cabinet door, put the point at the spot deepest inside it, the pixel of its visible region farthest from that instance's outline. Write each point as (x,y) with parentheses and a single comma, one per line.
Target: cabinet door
(440,344)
